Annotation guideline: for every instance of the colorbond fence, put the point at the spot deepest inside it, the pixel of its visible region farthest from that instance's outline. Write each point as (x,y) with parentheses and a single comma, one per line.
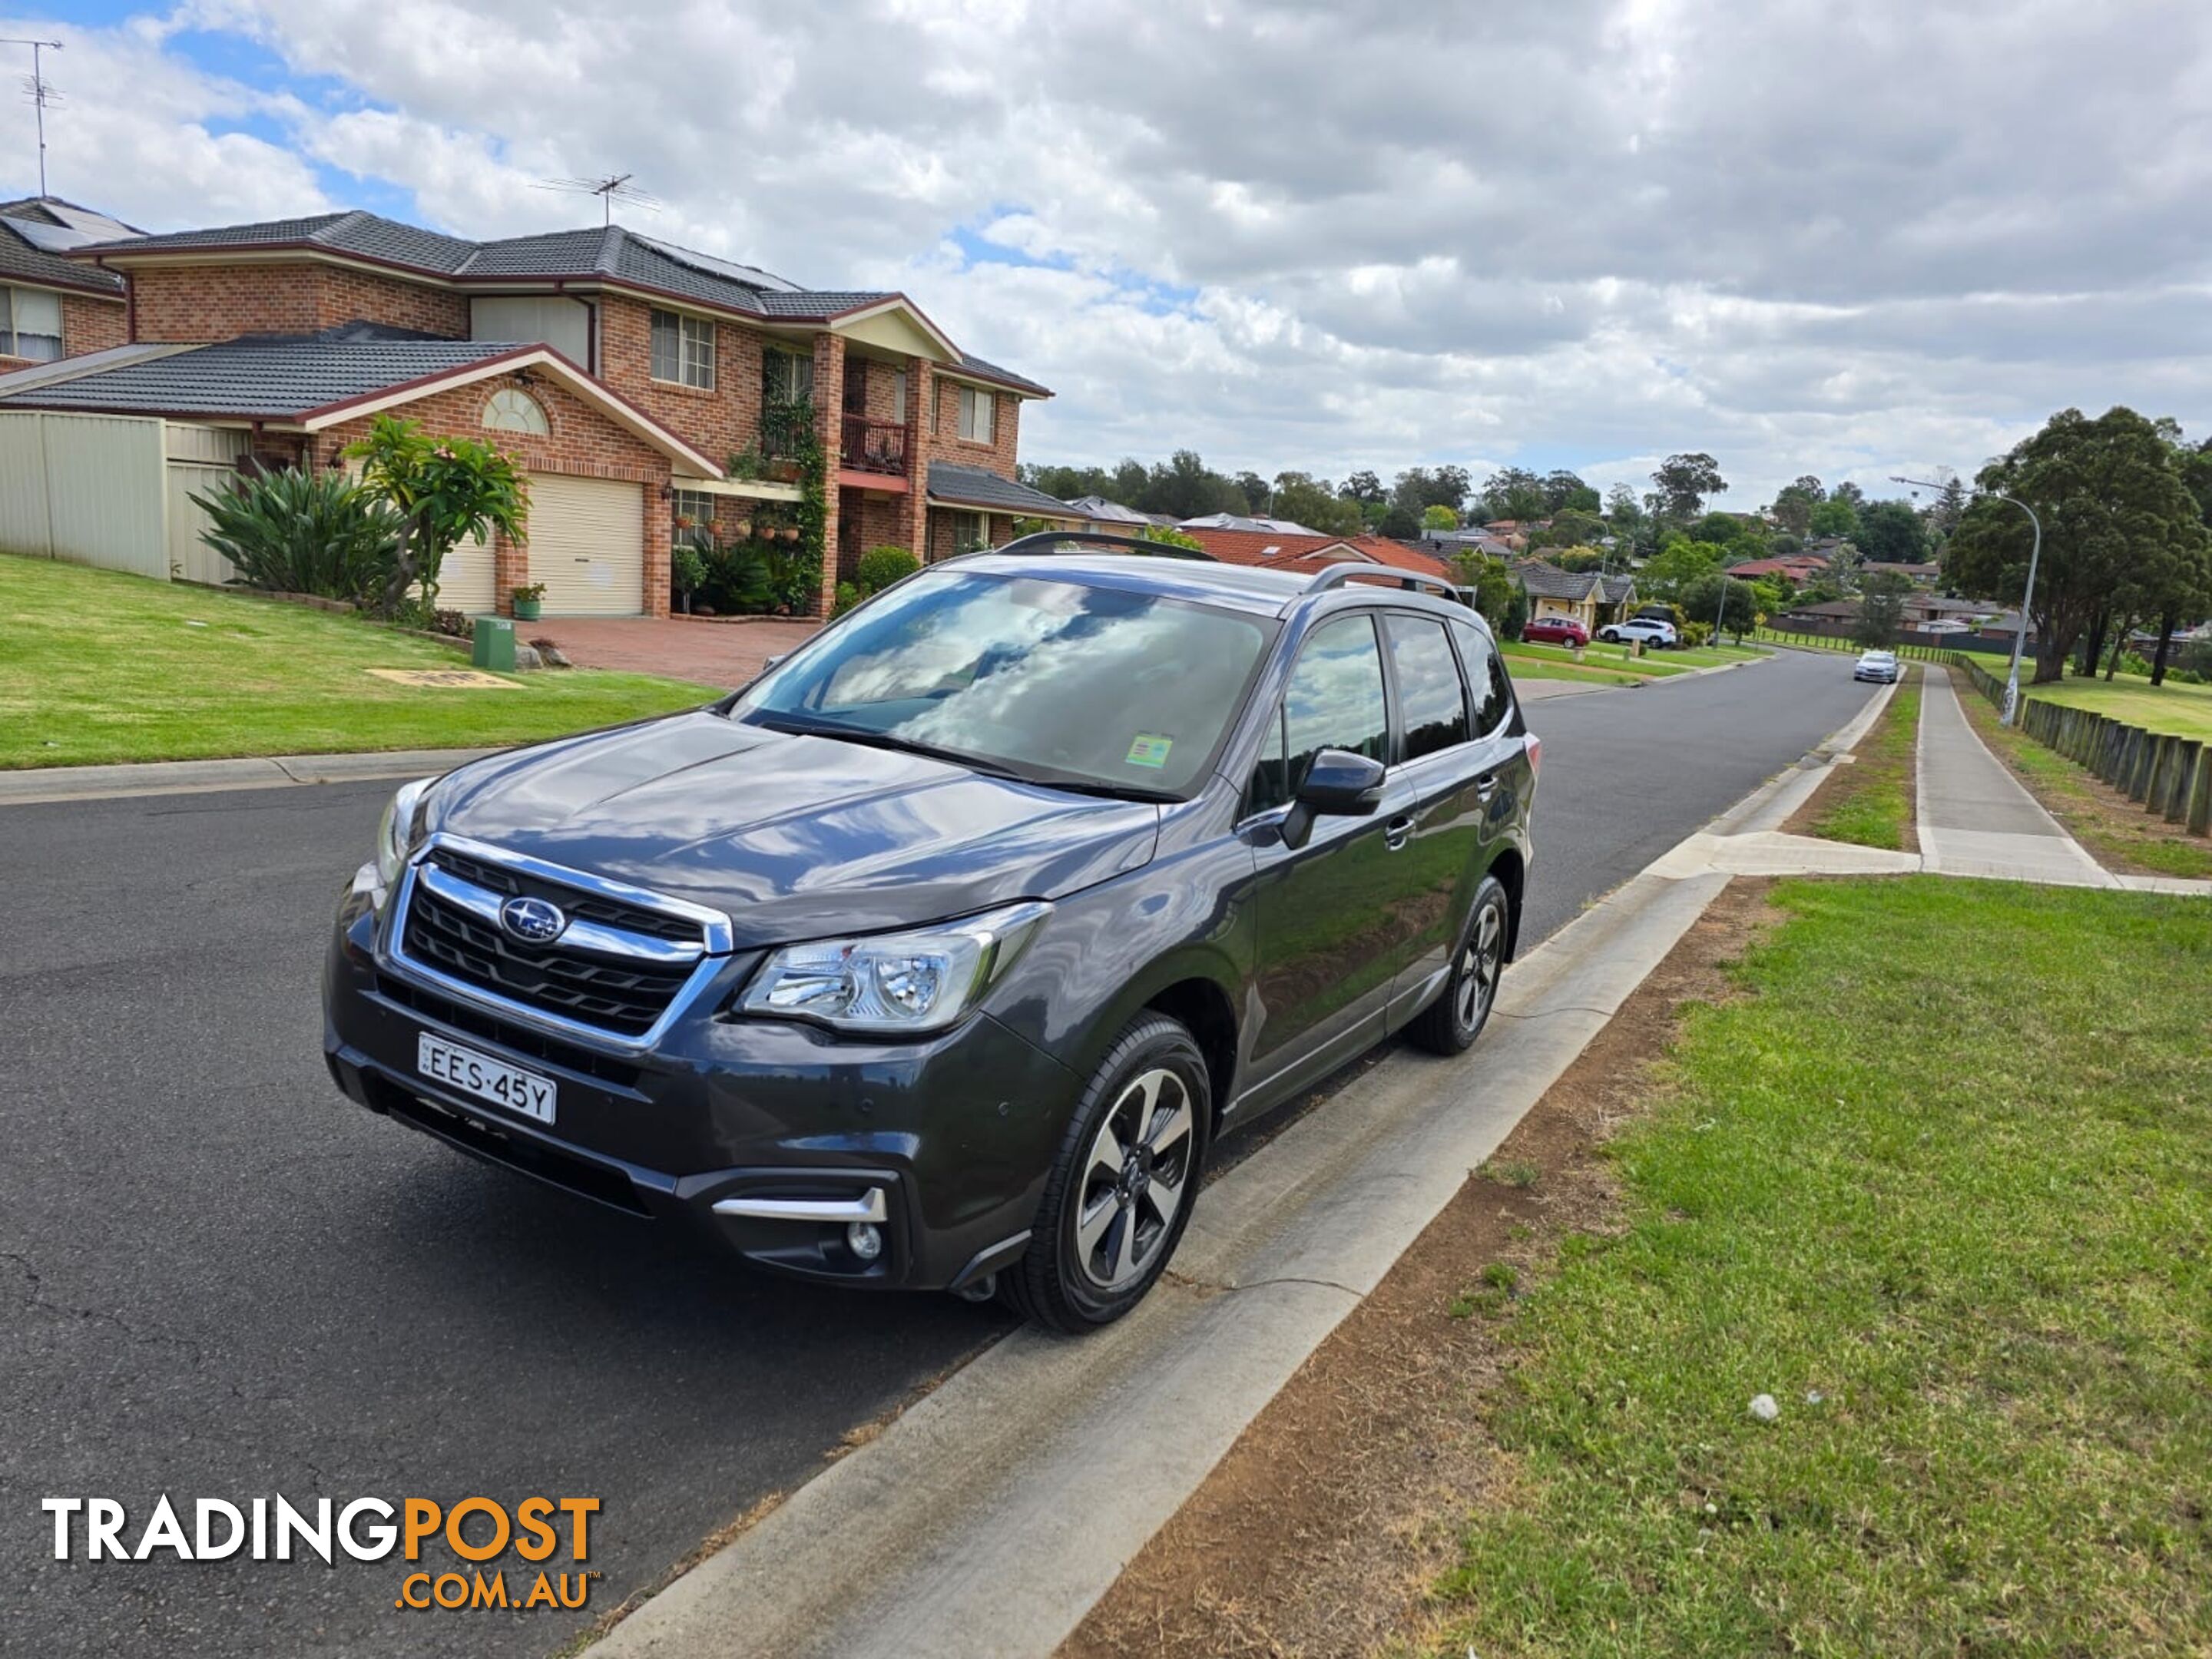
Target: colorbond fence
(113,490)
(2169,774)
(1842,643)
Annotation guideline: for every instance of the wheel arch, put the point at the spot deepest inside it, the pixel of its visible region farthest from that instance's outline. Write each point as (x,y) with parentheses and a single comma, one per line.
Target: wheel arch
(1511,867)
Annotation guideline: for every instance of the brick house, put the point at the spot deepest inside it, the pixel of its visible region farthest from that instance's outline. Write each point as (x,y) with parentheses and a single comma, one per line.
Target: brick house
(647,388)
(51,307)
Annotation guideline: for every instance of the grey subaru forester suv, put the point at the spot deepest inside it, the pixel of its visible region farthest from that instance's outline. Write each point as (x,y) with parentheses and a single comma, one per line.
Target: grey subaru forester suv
(938,955)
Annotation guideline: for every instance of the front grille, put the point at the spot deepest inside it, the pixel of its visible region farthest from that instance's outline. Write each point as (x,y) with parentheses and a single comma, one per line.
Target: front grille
(508,884)
(506,1033)
(620,994)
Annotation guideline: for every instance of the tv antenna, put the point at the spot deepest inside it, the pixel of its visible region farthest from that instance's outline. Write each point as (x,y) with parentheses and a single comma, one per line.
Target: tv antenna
(41,91)
(609,188)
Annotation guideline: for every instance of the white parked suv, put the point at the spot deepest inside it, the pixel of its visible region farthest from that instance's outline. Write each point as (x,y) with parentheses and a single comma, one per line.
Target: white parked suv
(1646,631)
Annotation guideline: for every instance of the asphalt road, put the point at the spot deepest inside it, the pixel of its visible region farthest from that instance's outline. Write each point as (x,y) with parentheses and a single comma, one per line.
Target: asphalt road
(221,1279)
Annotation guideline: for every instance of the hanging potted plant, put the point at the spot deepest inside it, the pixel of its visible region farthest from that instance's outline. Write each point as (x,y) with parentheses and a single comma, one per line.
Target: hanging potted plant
(744,528)
(526,601)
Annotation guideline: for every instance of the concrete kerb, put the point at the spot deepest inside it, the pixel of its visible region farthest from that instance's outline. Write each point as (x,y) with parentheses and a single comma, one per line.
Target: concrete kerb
(59,783)
(989,1519)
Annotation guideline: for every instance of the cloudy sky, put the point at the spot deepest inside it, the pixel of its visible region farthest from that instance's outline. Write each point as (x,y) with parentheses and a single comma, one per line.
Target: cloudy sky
(1803,237)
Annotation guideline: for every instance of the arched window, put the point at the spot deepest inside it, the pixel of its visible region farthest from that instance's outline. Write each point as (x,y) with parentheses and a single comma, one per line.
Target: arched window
(510,410)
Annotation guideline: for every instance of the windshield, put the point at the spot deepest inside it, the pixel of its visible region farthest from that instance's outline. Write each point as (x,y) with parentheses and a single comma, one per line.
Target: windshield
(1053,681)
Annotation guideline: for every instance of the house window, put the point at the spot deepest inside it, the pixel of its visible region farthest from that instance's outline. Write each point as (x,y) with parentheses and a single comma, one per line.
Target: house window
(511,410)
(683,350)
(977,411)
(898,396)
(788,376)
(691,512)
(30,324)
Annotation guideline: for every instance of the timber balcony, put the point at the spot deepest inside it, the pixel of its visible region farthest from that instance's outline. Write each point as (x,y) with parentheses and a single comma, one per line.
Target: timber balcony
(873,446)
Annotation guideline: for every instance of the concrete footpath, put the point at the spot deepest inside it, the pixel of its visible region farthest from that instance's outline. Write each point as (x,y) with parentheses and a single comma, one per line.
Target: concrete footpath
(47,783)
(1975,818)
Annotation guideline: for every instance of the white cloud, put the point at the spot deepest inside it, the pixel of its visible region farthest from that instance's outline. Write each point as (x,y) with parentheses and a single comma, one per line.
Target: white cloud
(1293,235)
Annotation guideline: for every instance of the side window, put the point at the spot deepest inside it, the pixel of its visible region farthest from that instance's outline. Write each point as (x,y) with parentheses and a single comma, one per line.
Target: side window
(1431,701)
(1486,677)
(1334,699)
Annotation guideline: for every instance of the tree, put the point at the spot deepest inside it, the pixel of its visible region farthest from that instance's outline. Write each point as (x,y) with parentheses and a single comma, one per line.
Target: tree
(1364,488)
(1849,492)
(448,490)
(1564,490)
(1570,527)
(1491,581)
(1309,500)
(1702,599)
(1578,559)
(1399,523)
(1684,482)
(2109,496)
(1439,518)
(1677,567)
(1169,536)
(1621,510)
(1892,533)
(1794,504)
(1257,495)
(1716,527)
(2175,585)
(1835,517)
(1881,608)
(1514,492)
(1419,488)
(1184,487)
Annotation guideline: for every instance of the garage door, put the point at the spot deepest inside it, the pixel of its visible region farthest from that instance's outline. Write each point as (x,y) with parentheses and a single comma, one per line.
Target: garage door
(587,545)
(465,578)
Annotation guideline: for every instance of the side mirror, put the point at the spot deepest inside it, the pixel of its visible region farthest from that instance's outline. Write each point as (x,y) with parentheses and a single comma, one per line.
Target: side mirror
(1341,782)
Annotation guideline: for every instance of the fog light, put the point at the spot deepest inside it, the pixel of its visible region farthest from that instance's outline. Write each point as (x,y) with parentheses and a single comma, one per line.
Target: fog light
(864,1241)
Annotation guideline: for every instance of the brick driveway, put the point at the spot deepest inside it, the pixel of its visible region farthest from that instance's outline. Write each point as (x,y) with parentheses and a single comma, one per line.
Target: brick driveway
(711,653)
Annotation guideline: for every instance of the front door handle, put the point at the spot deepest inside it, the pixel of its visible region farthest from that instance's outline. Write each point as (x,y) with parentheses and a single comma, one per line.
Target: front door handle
(1397,833)
(1486,786)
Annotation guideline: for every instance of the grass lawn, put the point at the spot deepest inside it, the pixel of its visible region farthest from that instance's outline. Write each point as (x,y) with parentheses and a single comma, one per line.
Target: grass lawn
(1961,1194)
(2184,710)
(96,665)
(1597,656)
(1544,668)
(1869,802)
(1995,665)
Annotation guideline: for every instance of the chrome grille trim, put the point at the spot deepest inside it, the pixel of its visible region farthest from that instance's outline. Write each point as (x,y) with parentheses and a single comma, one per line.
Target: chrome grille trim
(582,935)
(713,927)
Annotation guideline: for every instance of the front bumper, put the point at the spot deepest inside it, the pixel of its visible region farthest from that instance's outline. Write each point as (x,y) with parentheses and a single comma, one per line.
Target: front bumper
(955,1132)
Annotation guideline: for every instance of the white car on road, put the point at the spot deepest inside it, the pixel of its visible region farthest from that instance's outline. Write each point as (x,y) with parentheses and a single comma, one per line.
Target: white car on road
(1646,631)
(1880,665)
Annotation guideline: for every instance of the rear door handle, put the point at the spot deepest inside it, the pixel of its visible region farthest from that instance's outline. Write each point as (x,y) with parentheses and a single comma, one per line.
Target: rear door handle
(1486,786)
(1397,833)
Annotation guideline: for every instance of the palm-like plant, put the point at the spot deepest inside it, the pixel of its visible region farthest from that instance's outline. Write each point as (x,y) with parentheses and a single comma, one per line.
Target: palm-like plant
(304,532)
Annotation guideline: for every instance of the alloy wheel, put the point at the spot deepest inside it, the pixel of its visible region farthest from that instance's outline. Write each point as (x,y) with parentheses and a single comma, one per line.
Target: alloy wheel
(1133,1180)
(1480,963)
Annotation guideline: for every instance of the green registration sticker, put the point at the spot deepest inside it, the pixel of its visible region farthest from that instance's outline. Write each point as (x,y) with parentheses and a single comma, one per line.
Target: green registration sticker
(1150,749)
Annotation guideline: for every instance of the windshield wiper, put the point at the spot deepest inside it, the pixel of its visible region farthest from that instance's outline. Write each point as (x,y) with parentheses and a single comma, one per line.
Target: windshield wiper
(870,738)
(1044,778)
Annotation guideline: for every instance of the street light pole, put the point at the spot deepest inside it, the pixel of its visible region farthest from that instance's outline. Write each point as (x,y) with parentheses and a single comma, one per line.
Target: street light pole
(1720,610)
(2027,598)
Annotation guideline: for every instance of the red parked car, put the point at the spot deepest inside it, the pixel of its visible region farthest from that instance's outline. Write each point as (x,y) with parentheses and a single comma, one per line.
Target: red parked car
(1555,630)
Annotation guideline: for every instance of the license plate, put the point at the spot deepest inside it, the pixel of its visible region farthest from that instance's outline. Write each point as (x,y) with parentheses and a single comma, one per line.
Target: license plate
(485,1078)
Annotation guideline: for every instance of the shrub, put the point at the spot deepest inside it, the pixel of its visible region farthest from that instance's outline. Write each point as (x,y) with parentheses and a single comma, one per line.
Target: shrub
(848,597)
(880,567)
(687,567)
(2132,664)
(304,532)
(737,578)
(1697,633)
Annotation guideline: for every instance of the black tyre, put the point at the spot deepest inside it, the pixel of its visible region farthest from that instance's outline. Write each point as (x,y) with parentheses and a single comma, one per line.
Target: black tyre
(1122,1184)
(1450,1024)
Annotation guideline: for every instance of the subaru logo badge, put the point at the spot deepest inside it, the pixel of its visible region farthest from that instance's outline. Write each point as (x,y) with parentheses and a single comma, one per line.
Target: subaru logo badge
(534,920)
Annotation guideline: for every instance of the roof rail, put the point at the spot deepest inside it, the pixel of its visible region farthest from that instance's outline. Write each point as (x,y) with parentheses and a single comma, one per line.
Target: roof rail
(1336,575)
(1048,541)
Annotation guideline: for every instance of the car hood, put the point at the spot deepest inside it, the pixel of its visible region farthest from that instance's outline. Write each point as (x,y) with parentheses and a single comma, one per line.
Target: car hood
(793,837)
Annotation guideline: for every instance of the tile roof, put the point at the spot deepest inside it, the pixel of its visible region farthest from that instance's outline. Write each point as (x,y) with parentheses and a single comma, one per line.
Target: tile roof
(270,379)
(33,233)
(609,253)
(1545,581)
(1270,549)
(971,486)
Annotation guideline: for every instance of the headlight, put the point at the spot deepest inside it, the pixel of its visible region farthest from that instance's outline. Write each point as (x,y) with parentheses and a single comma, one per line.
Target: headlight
(912,983)
(395,836)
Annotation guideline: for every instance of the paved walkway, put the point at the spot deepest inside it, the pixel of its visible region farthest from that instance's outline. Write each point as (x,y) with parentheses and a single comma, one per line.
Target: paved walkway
(1975,819)
(707,653)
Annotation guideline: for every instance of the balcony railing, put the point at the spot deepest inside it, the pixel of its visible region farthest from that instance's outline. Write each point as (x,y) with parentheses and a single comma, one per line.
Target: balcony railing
(874,445)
